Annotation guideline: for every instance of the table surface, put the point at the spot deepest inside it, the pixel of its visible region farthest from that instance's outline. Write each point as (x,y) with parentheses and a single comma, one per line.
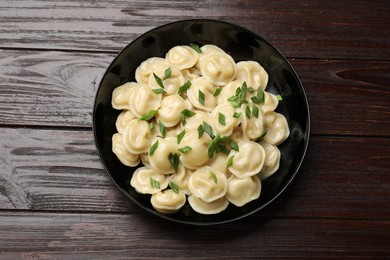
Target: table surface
(57,201)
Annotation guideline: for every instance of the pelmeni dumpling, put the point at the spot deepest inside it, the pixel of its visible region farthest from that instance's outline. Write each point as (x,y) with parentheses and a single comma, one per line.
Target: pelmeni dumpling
(121,94)
(208,184)
(181,179)
(169,112)
(253,74)
(252,127)
(228,91)
(143,100)
(219,163)
(123,119)
(171,84)
(270,102)
(145,159)
(248,161)
(277,128)
(219,68)
(168,201)
(198,155)
(146,68)
(192,123)
(202,85)
(137,136)
(243,190)
(159,159)
(181,57)
(272,160)
(238,136)
(148,181)
(205,51)
(127,158)
(223,120)
(208,208)
(190,74)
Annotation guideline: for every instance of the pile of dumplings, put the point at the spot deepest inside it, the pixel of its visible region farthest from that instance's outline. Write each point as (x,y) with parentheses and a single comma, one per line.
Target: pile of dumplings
(203,127)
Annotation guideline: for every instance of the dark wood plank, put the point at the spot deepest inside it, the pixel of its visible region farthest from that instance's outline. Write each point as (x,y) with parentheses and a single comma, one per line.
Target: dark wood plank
(60,170)
(48,236)
(58,89)
(320,29)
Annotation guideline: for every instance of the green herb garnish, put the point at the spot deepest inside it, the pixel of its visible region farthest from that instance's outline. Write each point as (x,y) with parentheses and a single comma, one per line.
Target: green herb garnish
(158,80)
(248,112)
(230,161)
(186,113)
(201,97)
(200,131)
(148,115)
(154,183)
(174,186)
(195,47)
(167,73)
(183,88)
(255,111)
(162,128)
(180,136)
(174,161)
(234,145)
(221,118)
(214,177)
(151,125)
(217,92)
(159,91)
(153,148)
(260,95)
(185,149)
(207,128)
(239,98)
(237,114)
(261,137)
(279,97)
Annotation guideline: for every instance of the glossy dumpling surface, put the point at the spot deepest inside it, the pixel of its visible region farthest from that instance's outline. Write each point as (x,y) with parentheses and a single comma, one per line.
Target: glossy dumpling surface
(219,68)
(148,181)
(208,208)
(159,160)
(243,190)
(126,157)
(253,74)
(182,57)
(137,136)
(146,68)
(168,201)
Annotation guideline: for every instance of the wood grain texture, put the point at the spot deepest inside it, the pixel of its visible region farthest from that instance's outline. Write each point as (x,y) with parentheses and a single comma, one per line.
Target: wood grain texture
(54,88)
(60,170)
(344,29)
(124,236)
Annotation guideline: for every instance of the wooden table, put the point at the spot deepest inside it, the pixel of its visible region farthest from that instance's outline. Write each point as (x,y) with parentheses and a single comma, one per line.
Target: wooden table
(56,200)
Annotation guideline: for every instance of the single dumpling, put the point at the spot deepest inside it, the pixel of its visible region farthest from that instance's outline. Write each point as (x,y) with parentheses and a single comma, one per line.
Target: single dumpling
(238,136)
(147,67)
(252,127)
(205,51)
(223,119)
(219,163)
(159,158)
(208,208)
(201,93)
(253,74)
(270,102)
(121,94)
(137,136)
(143,100)
(148,181)
(248,161)
(208,184)
(243,190)
(171,84)
(168,201)
(182,57)
(219,68)
(190,74)
(272,160)
(169,112)
(124,156)
(228,91)
(181,179)
(123,119)
(277,128)
(198,155)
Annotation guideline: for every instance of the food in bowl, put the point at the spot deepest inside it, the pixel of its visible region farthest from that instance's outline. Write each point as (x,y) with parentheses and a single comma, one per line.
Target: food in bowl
(203,126)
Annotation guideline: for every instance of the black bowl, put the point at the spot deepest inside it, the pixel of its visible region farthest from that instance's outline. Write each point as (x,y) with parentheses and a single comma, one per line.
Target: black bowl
(241,44)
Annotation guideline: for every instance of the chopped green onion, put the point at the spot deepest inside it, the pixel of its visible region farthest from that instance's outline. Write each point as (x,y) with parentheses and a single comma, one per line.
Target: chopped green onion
(260,95)
(180,136)
(237,114)
(250,90)
(148,115)
(221,118)
(248,112)
(201,97)
(230,161)
(207,128)
(234,145)
(261,137)
(195,47)
(243,90)
(174,161)
(256,100)
(159,91)
(255,111)
(184,87)
(200,131)
(186,113)
(162,128)
(158,80)
(154,183)
(167,73)
(153,148)
(214,177)
(174,186)
(185,149)
(217,92)
(279,97)
(151,125)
